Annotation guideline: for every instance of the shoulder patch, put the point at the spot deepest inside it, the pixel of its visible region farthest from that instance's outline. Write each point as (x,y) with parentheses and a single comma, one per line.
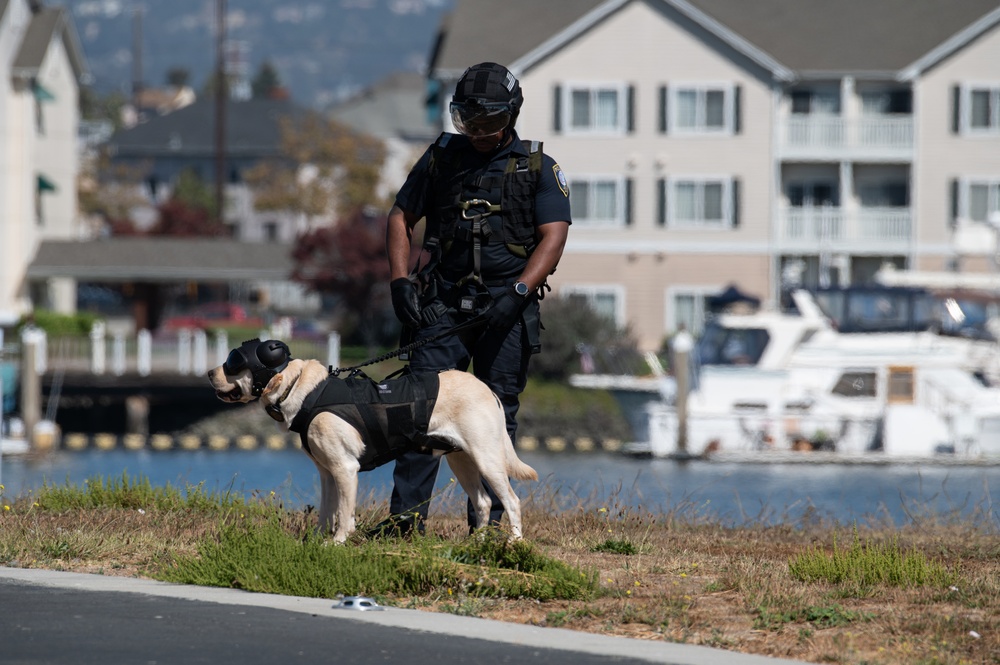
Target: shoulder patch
(561,179)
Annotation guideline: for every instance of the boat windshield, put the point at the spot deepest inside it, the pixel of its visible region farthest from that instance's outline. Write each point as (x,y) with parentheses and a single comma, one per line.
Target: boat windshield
(731,346)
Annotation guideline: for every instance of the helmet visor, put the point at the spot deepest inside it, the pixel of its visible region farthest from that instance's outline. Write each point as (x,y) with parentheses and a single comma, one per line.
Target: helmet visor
(475,118)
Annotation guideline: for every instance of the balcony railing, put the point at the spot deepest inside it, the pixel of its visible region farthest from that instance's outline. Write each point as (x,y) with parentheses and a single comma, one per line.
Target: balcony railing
(811,137)
(864,229)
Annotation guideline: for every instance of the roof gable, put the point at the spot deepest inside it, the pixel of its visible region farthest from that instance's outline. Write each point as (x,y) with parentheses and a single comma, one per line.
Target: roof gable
(790,38)
(46,25)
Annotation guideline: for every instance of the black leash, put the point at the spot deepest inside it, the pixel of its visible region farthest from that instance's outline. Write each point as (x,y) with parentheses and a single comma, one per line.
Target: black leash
(462,327)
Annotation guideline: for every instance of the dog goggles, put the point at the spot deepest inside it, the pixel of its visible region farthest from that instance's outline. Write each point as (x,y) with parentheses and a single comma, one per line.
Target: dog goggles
(475,118)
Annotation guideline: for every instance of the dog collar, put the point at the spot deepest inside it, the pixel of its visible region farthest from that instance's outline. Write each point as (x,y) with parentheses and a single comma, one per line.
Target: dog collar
(274,408)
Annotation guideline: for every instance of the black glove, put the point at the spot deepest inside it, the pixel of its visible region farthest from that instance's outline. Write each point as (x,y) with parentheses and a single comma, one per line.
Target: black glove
(405,302)
(505,312)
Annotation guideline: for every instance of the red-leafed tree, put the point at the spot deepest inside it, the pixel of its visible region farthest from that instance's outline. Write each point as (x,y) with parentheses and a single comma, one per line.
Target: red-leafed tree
(348,260)
(190,210)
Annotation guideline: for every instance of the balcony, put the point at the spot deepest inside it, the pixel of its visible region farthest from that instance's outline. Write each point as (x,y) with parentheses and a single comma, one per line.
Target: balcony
(882,138)
(858,231)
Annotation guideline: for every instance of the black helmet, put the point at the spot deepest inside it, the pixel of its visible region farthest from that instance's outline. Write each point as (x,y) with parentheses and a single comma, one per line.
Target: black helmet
(263,359)
(487,100)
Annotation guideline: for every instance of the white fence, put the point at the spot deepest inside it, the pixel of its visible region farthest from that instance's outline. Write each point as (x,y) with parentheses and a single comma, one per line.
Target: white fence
(187,352)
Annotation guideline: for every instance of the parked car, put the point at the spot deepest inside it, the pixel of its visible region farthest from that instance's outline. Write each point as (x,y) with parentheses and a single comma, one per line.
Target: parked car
(212,316)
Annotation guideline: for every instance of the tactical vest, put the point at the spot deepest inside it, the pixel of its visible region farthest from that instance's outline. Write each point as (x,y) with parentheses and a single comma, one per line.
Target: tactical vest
(392,416)
(517,186)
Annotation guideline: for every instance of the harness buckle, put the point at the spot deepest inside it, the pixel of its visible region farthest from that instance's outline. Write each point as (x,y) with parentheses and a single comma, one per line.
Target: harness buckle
(477,203)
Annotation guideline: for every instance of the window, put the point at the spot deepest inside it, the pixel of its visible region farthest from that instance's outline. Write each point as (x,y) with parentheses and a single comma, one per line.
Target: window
(271,231)
(608,301)
(687,306)
(979,109)
(597,201)
(979,200)
(900,385)
(596,108)
(732,346)
(701,203)
(815,102)
(856,383)
(886,102)
(886,194)
(812,194)
(707,109)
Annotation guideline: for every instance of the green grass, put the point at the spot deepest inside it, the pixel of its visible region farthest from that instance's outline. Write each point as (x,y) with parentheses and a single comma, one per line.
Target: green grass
(616,546)
(867,564)
(133,493)
(269,556)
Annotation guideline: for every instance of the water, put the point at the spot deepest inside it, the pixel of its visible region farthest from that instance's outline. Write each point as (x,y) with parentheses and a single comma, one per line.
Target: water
(732,492)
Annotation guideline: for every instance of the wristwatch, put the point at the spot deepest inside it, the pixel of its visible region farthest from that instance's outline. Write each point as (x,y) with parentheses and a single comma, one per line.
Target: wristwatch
(521,289)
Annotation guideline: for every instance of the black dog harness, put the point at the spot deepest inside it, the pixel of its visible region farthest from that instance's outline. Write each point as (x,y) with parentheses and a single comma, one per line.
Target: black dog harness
(392,416)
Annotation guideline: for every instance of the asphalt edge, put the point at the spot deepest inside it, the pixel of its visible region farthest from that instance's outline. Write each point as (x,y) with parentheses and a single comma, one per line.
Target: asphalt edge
(432,622)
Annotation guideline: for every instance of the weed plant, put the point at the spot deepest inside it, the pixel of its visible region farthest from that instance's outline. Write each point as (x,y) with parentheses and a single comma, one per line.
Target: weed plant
(868,564)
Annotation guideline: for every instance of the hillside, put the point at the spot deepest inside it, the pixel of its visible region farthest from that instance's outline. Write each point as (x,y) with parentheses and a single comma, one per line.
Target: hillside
(322,50)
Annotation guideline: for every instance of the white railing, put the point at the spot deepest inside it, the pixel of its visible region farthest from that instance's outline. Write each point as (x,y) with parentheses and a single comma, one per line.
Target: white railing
(884,228)
(187,352)
(867,137)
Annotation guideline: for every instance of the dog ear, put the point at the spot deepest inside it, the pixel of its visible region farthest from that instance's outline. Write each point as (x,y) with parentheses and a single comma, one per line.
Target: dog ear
(272,385)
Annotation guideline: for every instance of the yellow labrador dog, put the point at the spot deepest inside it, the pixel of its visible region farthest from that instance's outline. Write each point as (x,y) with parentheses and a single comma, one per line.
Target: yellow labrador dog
(343,434)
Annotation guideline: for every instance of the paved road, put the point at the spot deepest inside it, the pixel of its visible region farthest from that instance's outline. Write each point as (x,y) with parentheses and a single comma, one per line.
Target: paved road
(54,618)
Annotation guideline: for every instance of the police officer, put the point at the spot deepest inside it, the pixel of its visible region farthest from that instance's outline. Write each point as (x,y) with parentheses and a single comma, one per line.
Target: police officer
(497,211)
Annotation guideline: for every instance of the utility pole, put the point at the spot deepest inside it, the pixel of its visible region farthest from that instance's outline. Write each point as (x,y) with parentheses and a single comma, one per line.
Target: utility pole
(136,60)
(221,95)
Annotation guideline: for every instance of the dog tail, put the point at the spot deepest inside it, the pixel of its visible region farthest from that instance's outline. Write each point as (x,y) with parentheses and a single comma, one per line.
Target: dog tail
(515,467)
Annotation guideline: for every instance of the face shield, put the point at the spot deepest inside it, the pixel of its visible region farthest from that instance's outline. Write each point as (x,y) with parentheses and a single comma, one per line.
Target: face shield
(474,118)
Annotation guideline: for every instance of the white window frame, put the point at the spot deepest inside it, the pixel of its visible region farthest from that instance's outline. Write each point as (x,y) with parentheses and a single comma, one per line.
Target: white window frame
(591,291)
(993,87)
(724,224)
(618,221)
(701,88)
(701,293)
(965,196)
(620,88)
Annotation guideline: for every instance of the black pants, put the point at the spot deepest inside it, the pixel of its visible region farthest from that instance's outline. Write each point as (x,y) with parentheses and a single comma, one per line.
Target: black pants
(500,361)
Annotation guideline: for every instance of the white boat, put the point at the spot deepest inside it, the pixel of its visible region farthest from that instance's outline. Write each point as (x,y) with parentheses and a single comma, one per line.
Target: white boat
(777,382)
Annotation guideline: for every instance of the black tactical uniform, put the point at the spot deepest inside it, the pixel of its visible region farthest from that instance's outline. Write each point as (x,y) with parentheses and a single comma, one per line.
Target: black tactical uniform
(483,210)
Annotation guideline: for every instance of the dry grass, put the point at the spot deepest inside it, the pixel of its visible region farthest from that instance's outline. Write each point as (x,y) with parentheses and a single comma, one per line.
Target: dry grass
(665,577)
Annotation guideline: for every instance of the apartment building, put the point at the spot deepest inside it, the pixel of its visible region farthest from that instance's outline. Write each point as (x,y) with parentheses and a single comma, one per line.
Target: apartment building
(42,64)
(762,143)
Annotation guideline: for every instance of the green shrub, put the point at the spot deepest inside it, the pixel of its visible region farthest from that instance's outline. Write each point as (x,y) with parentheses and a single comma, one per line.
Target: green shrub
(554,409)
(55,324)
(867,564)
(569,325)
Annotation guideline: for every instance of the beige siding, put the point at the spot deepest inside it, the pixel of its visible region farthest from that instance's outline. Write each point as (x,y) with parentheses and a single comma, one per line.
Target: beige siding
(647,47)
(648,279)
(942,155)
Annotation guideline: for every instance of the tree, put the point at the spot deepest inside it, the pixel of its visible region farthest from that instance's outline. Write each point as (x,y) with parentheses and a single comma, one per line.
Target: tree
(574,331)
(95,106)
(266,84)
(348,260)
(327,170)
(192,190)
(109,193)
(190,210)
(178,77)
